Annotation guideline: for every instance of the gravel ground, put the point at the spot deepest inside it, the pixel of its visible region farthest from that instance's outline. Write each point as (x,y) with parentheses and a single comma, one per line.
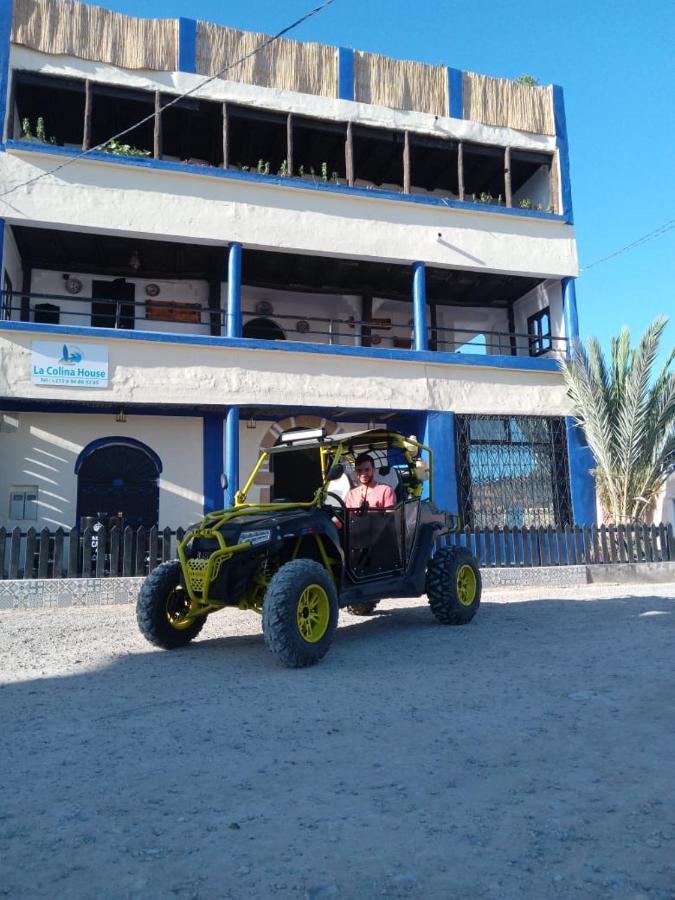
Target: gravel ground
(530,755)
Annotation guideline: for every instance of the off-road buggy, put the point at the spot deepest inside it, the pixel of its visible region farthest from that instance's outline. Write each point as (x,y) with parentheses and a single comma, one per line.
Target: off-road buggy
(297,563)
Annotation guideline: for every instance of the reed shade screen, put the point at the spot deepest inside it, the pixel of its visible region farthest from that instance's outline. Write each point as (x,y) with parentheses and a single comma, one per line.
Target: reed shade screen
(400,84)
(285,65)
(89,32)
(498,101)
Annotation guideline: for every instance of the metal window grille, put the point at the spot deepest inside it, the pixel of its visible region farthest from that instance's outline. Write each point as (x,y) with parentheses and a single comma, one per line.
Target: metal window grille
(512,471)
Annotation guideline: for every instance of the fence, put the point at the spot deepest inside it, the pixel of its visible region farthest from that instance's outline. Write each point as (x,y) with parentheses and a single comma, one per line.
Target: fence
(90,554)
(128,551)
(571,545)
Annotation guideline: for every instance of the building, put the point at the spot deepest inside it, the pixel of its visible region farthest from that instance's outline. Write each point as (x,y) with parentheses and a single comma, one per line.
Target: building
(317,236)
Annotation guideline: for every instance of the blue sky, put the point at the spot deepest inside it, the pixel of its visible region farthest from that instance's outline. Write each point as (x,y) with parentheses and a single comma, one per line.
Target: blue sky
(615,62)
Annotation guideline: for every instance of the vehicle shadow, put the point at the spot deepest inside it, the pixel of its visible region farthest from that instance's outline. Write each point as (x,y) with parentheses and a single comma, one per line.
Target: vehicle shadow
(129,762)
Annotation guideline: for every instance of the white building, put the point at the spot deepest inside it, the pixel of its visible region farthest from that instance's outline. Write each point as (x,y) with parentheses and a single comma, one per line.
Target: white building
(316,236)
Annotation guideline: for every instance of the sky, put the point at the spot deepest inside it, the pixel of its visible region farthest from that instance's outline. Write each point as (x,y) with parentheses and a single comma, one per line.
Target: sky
(616,64)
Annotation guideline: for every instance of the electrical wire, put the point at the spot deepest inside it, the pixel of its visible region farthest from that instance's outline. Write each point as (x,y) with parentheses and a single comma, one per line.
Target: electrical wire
(650,236)
(261,46)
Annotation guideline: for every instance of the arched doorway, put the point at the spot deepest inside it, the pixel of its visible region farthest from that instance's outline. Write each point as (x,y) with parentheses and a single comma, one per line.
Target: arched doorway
(118,476)
(263,329)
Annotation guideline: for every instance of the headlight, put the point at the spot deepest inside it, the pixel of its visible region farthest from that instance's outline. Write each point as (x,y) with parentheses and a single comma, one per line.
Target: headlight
(255,537)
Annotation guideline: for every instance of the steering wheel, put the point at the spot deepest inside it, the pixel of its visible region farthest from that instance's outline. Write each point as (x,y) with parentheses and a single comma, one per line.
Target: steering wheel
(341,510)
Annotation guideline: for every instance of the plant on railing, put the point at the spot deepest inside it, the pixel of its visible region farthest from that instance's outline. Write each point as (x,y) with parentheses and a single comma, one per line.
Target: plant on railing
(525,203)
(627,412)
(40,134)
(263,167)
(486,197)
(325,175)
(118,149)
(283,169)
(527,79)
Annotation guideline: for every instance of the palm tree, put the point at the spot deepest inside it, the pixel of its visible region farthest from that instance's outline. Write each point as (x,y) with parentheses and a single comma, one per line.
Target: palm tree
(628,417)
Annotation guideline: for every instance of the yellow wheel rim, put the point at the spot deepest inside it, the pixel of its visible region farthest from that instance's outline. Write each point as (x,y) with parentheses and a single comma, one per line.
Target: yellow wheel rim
(178,610)
(313,613)
(466,585)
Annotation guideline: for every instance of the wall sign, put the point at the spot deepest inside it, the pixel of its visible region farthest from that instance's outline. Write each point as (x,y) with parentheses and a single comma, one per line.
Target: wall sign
(74,365)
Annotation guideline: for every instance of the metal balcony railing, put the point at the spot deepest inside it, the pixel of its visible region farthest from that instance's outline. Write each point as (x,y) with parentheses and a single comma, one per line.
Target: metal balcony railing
(114,313)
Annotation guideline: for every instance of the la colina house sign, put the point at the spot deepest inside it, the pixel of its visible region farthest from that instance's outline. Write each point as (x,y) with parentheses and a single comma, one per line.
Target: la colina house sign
(74,365)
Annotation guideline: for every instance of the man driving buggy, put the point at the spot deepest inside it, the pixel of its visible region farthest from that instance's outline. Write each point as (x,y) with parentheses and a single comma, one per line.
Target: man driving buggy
(368,493)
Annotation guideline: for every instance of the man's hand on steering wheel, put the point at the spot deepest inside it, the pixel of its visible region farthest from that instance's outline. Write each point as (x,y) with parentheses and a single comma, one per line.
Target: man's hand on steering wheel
(340,512)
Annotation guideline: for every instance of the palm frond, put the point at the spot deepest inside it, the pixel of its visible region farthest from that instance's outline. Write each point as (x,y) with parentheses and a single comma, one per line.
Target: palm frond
(628,416)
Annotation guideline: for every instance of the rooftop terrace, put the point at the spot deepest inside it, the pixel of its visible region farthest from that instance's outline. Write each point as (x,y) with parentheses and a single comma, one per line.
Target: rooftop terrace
(62,27)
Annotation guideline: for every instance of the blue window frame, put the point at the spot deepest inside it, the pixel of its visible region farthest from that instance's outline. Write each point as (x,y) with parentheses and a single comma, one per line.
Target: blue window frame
(539,332)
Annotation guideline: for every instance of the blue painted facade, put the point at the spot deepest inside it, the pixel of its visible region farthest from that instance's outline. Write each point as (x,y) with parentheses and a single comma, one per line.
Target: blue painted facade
(455,94)
(237,175)
(232,454)
(233,321)
(419,293)
(187,45)
(345,73)
(439,435)
(5,33)
(570,313)
(212,453)
(582,484)
(519,363)
(221,429)
(563,152)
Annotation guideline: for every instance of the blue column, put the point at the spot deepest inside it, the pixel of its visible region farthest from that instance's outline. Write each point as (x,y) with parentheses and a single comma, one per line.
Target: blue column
(455,94)
(2,258)
(582,484)
(213,461)
(563,152)
(439,434)
(5,33)
(571,316)
(345,62)
(420,306)
(232,454)
(187,45)
(234,291)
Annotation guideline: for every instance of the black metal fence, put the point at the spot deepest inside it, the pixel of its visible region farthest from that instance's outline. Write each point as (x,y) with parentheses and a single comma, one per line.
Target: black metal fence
(126,552)
(101,553)
(571,545)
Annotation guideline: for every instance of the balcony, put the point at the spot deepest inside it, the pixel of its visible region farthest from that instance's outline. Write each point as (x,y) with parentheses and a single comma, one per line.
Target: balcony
(124,285)
(55,115)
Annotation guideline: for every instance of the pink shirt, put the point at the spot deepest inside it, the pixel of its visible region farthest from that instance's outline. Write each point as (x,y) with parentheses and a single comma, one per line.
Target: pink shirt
(378,496)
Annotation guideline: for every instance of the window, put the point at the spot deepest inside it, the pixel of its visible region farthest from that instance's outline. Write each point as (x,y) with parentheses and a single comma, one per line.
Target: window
(47,313)
(7,288)
(539,332)
(23,502)
(512,471)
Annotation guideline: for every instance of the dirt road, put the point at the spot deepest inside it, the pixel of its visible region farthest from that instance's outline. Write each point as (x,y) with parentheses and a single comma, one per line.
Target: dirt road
(528,755)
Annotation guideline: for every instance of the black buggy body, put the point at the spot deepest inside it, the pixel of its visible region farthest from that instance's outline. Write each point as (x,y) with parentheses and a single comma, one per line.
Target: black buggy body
(298,563)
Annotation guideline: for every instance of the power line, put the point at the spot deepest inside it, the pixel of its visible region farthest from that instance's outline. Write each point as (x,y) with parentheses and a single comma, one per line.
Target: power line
(177,99)
(658,232)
